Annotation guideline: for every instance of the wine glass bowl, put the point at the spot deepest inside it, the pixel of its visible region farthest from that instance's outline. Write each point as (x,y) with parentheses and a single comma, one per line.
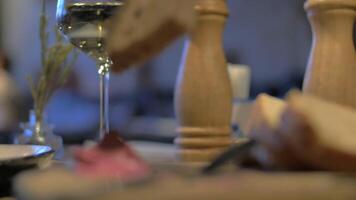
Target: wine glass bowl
(83,23)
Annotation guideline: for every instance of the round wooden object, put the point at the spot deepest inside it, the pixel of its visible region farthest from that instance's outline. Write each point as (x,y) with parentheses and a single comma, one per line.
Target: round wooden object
(203,96)
(199,155)
(203,142)
(204,131)
(331,69)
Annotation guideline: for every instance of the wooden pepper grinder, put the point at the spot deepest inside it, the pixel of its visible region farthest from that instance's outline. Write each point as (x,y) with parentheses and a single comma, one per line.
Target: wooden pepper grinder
(203,96)
(331,72)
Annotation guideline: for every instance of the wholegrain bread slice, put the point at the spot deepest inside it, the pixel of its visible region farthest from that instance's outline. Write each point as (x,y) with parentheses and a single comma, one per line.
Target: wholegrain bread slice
(143,28)
(321,133)
(263,126)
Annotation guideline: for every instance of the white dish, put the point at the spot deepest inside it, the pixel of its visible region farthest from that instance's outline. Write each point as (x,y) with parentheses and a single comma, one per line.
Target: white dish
(13,152)
(25,155)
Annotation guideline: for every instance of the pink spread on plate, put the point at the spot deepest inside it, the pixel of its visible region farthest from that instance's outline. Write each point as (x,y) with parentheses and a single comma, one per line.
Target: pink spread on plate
(113,159)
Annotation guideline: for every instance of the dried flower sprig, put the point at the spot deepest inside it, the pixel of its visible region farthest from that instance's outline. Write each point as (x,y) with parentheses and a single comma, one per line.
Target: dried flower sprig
(56,66)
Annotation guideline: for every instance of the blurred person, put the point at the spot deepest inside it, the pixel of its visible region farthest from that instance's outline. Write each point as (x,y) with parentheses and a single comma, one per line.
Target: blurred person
(9,99)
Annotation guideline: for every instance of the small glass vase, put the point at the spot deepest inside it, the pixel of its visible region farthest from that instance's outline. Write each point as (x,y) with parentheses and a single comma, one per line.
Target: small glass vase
(40,132)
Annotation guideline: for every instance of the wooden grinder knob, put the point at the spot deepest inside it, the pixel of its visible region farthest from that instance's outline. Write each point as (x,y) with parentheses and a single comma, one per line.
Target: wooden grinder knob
(203,98)
(331,72)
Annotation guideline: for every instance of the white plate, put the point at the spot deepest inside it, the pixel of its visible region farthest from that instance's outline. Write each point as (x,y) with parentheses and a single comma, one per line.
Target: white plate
(11,152)
(15,155)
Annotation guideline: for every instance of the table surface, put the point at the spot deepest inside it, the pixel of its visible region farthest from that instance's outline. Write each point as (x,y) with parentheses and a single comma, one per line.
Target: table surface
(241,184)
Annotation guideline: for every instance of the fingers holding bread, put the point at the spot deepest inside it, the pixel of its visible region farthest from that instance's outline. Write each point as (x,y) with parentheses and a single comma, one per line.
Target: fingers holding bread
(322,133)
(303,131)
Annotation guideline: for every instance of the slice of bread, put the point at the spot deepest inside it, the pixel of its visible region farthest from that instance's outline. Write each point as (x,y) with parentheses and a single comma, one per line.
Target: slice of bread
(266,111)
(144,27)
(263,126)
(321,133)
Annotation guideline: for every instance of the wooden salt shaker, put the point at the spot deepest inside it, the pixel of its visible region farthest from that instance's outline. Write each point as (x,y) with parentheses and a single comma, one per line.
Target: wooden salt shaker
(331,72)
(203,96)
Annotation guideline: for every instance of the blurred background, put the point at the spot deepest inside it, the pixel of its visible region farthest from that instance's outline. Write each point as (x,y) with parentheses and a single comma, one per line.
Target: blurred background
(273,37)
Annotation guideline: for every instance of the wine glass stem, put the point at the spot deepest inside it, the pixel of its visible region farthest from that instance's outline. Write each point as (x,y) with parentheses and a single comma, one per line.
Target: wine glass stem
(104,99)
(104,104)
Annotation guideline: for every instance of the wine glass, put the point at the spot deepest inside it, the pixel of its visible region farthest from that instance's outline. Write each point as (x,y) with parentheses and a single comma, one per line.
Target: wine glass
(83,23)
